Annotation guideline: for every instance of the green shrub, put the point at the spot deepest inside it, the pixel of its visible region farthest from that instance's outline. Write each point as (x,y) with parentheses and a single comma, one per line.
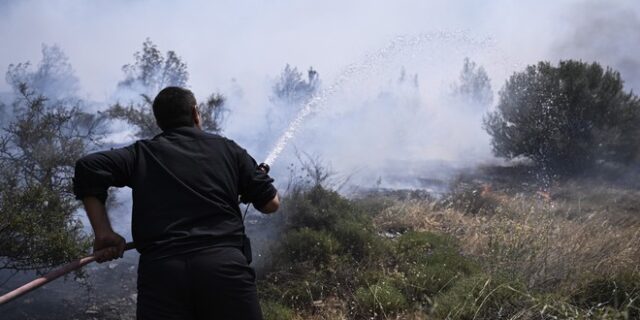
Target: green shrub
(480,297)
(621,293)
(359,241)
(318,208)
(272,310)
(380,298)
(297,290)
(307,245)
(416,246)
(431,263)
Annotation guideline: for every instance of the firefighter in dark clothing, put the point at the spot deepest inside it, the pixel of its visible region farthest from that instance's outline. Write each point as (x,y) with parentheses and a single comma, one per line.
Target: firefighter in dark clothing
(186,221)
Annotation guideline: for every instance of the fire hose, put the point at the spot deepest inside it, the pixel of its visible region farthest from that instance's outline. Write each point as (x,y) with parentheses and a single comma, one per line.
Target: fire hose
(52,275)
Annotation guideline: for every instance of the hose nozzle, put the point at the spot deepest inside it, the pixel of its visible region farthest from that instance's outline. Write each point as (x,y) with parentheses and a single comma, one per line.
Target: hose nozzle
(264,167)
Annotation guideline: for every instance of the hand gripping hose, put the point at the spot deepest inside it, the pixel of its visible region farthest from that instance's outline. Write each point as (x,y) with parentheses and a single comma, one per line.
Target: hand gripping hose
(52,275)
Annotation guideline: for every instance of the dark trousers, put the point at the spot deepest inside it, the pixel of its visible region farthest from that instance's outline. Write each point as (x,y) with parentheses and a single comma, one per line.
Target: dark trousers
(216,283)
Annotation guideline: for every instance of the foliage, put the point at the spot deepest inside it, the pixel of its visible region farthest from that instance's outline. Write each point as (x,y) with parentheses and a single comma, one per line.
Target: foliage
(430,264)
(316,247)
(330,249)
(566,117)
(318,208)
(473,86)
(481,297)
(138,115)
(508,262)
(620,292)
(380,299)
(292,89)
(38,149)
(53,78)
(276,311)
(150,73)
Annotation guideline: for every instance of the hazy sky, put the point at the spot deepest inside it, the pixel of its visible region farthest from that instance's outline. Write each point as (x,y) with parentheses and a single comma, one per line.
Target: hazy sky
(374,127)
(251,41)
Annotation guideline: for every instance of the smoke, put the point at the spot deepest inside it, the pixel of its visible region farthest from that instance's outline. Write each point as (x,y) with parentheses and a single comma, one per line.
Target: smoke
(54,77)
(371,125)
(381,124)
(609,34)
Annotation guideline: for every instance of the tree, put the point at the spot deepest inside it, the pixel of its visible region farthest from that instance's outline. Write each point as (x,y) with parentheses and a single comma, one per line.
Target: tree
(474,86)
(53,78)
(566,117)
(150,73)
(404,79)
(292,89)
(38,150)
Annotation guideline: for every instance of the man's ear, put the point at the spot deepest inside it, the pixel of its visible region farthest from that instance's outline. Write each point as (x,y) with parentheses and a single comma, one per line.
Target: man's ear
(197,120)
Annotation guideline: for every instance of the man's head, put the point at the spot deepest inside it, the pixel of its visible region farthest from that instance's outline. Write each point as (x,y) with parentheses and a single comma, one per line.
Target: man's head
(175,107)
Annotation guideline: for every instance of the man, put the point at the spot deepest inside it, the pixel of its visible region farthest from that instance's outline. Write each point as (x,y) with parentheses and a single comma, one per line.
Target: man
(186,222)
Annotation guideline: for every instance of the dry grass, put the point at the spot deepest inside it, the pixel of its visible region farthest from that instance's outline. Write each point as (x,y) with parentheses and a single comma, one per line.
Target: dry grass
(531,237)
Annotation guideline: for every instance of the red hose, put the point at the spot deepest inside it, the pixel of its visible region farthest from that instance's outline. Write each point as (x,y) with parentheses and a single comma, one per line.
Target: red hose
(52,275)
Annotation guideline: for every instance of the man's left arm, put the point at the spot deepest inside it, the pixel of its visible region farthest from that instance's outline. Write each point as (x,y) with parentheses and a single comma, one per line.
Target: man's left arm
(94,175)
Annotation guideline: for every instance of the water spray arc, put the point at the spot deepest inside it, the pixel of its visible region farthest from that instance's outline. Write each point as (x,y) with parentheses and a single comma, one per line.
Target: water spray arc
(369,63)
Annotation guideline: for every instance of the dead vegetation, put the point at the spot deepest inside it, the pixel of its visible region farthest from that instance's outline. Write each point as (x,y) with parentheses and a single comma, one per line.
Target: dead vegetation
(578,239)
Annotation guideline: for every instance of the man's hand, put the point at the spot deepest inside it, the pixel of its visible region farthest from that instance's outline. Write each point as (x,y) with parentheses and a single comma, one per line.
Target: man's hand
(108,246)
(264,167)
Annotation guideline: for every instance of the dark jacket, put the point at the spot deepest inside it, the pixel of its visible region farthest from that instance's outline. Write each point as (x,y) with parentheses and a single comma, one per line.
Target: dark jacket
(185,183)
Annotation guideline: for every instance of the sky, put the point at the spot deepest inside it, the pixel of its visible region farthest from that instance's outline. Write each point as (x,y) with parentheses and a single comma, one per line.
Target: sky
(238,48)
(251,40)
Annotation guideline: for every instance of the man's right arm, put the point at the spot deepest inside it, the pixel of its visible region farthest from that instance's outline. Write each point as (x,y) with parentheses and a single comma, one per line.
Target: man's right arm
(94,174)
(271,206)
(256,185)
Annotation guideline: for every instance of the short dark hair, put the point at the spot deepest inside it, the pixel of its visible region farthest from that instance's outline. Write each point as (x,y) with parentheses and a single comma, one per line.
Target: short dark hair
(172,108)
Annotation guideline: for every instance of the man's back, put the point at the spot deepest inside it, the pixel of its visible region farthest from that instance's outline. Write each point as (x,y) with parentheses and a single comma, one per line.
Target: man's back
(185,185)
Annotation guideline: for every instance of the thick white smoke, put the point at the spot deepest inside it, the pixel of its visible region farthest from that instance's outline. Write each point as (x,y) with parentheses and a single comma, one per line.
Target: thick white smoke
(373,124)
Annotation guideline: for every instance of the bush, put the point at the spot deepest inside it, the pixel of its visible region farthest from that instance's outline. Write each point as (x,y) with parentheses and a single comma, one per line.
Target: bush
(359,241)
(380,298)
(566,118)
(621,293)
(275,311)
(431,263)
(418,247)
(480,297)
(307,245)
(297,290)
(317,208)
